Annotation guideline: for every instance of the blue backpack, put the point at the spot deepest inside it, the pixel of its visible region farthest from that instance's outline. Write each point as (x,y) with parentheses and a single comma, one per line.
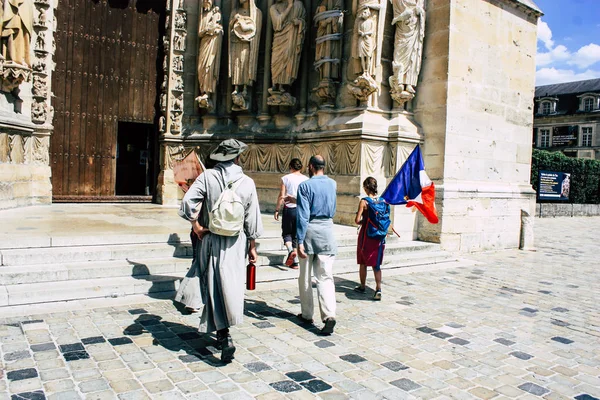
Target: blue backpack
(378,218)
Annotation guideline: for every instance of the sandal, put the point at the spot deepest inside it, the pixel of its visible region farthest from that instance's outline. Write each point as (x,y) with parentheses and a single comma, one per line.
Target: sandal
(294,266)
(360,289)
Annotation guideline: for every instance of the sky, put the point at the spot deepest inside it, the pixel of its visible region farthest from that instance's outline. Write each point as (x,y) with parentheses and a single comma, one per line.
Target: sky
(568,47)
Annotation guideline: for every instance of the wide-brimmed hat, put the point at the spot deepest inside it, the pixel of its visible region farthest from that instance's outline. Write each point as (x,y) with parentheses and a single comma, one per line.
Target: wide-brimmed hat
(228,150)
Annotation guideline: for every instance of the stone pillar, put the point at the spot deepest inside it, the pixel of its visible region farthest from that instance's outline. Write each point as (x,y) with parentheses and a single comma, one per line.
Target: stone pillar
(474,105)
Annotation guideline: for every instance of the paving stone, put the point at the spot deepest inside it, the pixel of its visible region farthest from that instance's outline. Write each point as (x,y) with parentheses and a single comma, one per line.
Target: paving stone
(257,366)
(190,358)
(426,329)
(93,340)
(459,341)
(353,358)
(323,344)
(17,355)
(585,397)
(300,376)
(560,309)
(394,366)
(529,310)
(66,395)
(505,342)
(563,340)
(22,374)
(93,386)
(521,355)
(164,385)
(533,389)
(286,386)
(43,347)
(126,385)
(405,384)
(120,341)
(37,395)
(76,355)
(441,335)
(68,348)
(316,386)
(263,324)
(558,322)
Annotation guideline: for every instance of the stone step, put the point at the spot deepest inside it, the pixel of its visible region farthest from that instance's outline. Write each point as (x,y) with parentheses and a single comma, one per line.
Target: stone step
(132,266)
(165,284)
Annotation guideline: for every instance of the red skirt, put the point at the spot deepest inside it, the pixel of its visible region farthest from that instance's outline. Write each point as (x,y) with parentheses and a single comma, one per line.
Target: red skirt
(369,251)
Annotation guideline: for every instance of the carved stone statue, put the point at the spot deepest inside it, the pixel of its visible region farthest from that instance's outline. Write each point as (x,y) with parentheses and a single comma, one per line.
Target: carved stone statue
(409,18)
(288,17)
(244,39)
(364,44)
(210,32)
(329,20)
(16,27)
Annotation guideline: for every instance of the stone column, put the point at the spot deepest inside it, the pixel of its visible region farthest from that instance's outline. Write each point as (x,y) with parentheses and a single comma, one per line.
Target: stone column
(264,118)
(474,105)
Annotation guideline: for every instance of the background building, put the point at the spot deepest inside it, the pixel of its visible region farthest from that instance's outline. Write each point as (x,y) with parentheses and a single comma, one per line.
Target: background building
(114,92)
(567,118)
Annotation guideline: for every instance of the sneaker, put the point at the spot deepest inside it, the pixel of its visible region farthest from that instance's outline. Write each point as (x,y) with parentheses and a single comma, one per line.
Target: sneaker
(360,289)
(377,296)
(290,258)
(328,327)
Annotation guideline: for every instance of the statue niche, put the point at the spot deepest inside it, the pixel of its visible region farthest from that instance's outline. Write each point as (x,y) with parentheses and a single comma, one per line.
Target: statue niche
(210,32)
(288,17)
(244,39)
(16,21)
(329,20)
(364,44)
(409,18)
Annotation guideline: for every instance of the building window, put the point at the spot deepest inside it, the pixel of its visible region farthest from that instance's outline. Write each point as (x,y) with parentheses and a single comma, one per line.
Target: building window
(546,107)
(588,104)
(544,137)
(586,137)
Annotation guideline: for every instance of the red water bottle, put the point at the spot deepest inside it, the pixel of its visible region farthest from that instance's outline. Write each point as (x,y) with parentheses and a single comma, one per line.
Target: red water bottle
(251,276)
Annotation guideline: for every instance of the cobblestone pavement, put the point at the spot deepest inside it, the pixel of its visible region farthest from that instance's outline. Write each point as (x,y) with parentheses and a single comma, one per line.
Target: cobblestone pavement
(513,325)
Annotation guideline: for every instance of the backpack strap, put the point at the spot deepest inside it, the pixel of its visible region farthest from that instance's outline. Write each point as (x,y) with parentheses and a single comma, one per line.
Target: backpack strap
(234,185)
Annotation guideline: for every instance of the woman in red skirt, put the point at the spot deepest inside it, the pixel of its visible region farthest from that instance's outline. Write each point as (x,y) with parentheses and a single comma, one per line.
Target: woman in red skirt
(369,250)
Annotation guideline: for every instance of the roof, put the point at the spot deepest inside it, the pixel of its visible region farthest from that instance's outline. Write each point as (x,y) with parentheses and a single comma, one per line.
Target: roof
(590,85)
(530,4)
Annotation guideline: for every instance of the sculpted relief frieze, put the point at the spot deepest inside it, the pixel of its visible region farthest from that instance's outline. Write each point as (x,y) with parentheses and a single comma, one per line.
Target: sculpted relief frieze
(24,149)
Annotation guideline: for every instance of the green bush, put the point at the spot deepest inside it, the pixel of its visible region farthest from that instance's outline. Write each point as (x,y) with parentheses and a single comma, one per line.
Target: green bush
(585,174)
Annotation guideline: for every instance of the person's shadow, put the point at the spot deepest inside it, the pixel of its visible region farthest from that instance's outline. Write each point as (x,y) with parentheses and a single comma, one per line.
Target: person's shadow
(177,337)
(262,311)
(347,288)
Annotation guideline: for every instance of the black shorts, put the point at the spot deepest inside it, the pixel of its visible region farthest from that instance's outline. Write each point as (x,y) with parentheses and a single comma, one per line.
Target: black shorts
(288,226)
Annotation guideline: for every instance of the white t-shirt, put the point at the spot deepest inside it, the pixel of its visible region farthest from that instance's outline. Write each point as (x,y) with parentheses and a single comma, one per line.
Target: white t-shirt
(291,183)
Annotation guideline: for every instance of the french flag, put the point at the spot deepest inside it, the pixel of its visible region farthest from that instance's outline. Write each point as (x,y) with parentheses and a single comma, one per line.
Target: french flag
(412,186)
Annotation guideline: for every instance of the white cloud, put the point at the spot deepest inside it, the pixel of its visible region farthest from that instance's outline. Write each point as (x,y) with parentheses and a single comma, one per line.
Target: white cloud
(547,76)
(545,34)
(586,56)
(558,54)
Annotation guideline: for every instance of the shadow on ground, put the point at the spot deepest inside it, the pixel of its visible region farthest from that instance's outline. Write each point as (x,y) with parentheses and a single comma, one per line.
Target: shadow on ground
(177,337)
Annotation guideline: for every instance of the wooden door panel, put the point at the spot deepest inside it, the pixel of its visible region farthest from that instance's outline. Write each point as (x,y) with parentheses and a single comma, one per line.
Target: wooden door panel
(106,71)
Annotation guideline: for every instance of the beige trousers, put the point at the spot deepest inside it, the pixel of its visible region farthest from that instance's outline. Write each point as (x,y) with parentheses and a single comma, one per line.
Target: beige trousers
(322,265)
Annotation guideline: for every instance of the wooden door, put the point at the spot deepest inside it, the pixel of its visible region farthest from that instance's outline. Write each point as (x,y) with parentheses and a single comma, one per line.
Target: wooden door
(108,69)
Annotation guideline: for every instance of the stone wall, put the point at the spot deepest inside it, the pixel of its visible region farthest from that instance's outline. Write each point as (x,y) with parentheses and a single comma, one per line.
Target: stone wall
(545,210)
(26,114)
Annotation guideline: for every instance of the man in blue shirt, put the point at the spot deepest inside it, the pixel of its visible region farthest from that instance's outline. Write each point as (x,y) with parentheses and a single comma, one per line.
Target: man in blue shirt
(316,202)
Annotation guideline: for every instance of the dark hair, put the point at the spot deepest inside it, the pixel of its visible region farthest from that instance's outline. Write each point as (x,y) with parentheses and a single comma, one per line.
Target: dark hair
(296,164)
(317,162)
(370,184)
